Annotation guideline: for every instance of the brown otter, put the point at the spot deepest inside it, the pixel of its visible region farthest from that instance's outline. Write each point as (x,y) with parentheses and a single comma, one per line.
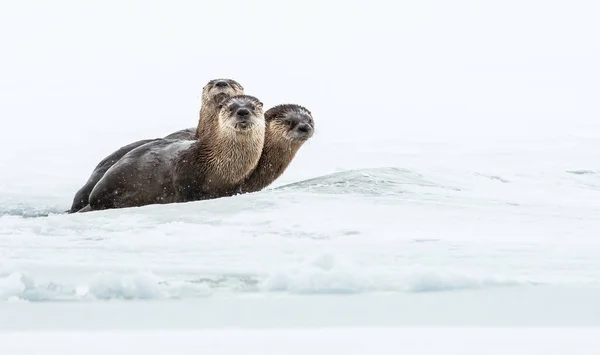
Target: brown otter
(288,128)
(212,94)
(228,148)
(82,195)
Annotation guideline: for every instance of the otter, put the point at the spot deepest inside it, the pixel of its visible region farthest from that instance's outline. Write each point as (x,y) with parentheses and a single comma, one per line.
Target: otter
(81,198)
(213,93)
(228,147)
(289,126)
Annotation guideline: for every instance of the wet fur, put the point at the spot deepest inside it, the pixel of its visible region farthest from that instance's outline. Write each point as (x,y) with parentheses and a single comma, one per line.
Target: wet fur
(141,177)
(279,148)
(81,198)
(168,170)
(185,134)
(210,105)
(278,151)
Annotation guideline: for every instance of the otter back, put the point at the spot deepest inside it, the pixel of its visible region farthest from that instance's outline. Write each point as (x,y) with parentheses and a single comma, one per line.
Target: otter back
(81,198)
(143,176)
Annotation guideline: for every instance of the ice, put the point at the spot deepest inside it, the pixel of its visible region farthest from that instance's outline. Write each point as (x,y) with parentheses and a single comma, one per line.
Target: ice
(350,341)
(452,180)
(359,231)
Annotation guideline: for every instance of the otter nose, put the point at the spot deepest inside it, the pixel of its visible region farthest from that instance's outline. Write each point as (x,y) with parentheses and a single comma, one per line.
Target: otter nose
(304,128)
(221,84)
(243,112)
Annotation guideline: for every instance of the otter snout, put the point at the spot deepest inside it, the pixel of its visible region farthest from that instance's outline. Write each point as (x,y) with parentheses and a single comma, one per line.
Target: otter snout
(304,128)
(243,119)
(221,90)
(220,97)
(243,112)
(301,128)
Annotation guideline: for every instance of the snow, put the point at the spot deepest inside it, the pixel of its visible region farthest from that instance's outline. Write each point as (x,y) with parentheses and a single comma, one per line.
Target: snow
(452,180)
(532,307)
(313,341)
(376,235)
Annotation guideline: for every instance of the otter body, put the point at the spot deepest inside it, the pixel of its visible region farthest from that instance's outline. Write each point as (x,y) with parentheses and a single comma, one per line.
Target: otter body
(186,134)
(169,170)
(213,93)
(81,198)
(142,177)
(288,128)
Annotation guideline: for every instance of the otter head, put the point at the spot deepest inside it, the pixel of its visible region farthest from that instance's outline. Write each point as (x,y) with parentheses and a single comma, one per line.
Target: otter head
(216,90)
(242,113)
(291,122)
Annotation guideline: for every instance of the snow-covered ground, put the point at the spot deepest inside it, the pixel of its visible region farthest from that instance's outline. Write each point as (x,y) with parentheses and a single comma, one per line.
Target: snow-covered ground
(385,229)
(465,341)
(453,180)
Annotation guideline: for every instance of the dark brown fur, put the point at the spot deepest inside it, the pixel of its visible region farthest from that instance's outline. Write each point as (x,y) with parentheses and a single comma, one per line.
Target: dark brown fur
(167,170)
(283,138)
(81,198)
(212,96)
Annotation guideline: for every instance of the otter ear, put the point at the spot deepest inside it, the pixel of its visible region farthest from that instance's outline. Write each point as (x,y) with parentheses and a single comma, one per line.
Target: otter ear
(259,105)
